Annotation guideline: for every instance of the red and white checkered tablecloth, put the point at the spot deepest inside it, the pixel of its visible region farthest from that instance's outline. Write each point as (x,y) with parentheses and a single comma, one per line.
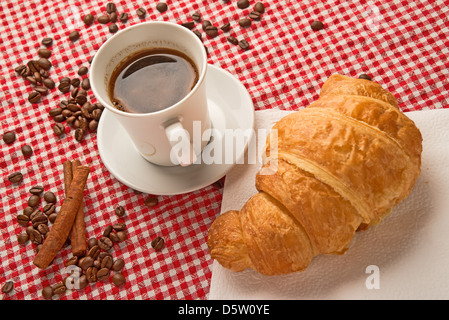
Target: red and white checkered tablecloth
(403,45)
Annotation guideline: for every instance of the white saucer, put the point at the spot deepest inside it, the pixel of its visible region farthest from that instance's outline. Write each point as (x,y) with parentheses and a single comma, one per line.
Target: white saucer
(230,107)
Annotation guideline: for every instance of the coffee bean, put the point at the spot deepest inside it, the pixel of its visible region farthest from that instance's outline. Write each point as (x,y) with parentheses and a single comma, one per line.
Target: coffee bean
(43,229)
(94,251)
(73,107)
(113,17)
(23,220)
(44,73)
(92,242)
(36,190)
(196,16)
(47,41)
(89,19)
(21,70)
(105,244)
(244,44)
(120,211)
(141,13)
(75,82)
(232,40)
(59,129)
(33,65)
(50,84)
(92,125)
(113,28)
(118,265)
(27,151)
(161,7)
(110,7)
(23,238)
(59,288)
(121,235)
(34,200)
(74,35)
(254,15)
(107,231)
(365,77)
(81,99)
(123,17)
(79,134)
(103,274)
(36,237)
(28,211)
(245,22)
(91,274)
(39,219)
(151,201)
(96,114)
(34,97)
(52,217)
(119,226)
(118,279)
(259,7)
(50,197)
(189,25)
(44,53)
(157,243)
(64,87)
(35,213)
(9,137)
(49,208)
(205,24)
(86,262)
(59,118)
(226,27)
(8,287)
(85,84)
(47,292)
(114,237)
(15,177)
(37,76)
(212,31)
(243,4)
(31,80)
(103,19)
(106,262)
(42,90)
(316,25)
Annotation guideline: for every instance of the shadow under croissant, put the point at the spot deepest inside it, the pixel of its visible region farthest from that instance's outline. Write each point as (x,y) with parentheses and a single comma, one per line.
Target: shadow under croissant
(383,246)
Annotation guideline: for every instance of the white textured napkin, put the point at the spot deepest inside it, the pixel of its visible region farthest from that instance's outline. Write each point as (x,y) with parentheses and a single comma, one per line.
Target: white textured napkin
(405,257)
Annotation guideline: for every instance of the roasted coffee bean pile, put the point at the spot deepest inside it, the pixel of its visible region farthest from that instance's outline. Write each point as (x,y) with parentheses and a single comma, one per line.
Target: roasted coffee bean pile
(36,216)
(37,73)
(97,264)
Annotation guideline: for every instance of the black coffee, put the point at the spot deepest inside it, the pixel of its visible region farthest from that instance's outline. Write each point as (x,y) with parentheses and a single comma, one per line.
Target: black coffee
(152,80)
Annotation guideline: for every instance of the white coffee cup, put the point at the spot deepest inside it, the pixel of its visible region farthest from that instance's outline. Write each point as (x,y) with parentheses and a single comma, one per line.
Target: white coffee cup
(155,134)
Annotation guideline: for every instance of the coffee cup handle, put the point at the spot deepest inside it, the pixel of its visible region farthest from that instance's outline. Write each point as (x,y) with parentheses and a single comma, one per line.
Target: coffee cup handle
(180,139)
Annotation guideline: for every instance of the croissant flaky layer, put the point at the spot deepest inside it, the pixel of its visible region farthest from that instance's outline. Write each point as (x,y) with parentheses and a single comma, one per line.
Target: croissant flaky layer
(342,164)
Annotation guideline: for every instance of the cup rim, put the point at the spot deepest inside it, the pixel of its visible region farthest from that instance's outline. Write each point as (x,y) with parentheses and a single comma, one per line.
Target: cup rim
(104,46)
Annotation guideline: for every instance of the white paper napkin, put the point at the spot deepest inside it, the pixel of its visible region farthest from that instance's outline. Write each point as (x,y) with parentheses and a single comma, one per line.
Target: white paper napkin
(405,257)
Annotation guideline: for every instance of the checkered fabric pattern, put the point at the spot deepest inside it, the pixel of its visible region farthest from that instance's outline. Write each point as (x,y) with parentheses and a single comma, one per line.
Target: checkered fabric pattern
(401,44)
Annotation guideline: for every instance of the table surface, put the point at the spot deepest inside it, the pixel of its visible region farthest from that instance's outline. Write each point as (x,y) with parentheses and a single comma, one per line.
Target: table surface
(403,45)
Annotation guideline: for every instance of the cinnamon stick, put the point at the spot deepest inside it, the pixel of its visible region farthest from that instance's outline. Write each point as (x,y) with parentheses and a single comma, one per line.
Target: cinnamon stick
(78,233)
(63,224)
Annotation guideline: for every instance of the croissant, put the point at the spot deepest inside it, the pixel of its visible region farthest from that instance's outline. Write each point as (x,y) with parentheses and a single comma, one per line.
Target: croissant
(342,164)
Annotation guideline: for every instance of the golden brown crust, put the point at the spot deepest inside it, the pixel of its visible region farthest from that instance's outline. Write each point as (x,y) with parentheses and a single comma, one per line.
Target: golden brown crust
(342,164)
(338,84)
(329,220)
